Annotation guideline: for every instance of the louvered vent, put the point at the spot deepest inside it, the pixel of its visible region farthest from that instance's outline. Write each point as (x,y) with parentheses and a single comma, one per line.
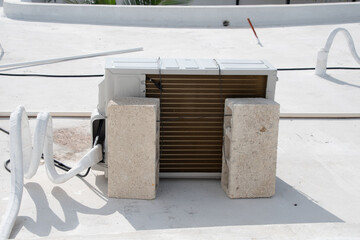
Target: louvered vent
(191,116)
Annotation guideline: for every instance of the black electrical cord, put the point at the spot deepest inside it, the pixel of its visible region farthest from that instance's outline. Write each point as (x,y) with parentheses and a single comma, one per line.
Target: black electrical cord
(343,68)
(6,165)
(4,131)
(50,75)
(310,68)
(57,163)
(102,75)
(295,69)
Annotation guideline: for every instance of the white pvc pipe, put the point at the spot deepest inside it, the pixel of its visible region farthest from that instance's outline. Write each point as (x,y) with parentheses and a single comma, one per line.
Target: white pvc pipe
(322,57)
(54,114)
(25,157)
(17,179)
(55,60)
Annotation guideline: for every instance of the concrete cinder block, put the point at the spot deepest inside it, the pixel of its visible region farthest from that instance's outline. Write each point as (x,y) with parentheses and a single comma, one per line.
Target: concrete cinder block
(132,132)
(250,147)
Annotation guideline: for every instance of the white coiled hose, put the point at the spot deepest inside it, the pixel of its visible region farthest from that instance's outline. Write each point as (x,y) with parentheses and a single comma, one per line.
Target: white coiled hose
(322,57)
(25,158)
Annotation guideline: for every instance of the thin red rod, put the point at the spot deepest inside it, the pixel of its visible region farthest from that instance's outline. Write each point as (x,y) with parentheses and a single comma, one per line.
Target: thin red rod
(252,27)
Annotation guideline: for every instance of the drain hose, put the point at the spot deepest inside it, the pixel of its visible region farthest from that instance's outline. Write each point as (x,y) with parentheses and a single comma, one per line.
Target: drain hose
(25,159)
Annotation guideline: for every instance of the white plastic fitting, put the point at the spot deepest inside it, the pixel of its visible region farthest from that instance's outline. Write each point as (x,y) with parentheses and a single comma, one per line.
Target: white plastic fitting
(322,57)
(25,157)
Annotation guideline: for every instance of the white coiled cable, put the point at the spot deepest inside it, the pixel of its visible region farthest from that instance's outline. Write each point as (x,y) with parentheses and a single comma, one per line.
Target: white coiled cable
(25,158)
(322,57)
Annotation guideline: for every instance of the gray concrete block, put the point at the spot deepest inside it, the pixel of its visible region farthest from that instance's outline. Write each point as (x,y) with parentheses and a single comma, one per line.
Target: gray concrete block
(250,147)
(132,133)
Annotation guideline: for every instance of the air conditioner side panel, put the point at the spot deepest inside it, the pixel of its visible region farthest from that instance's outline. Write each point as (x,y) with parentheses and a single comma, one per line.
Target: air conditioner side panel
(116,86)
(271,85)
(128,86)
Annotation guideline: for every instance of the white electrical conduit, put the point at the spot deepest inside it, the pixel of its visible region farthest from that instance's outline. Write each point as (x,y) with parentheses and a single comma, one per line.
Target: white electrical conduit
(25,158)
(55,60)
(53,114)
(323,54)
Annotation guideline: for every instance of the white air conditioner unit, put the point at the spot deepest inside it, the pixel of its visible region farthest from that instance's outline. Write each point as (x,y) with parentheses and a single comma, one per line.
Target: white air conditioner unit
(192,94)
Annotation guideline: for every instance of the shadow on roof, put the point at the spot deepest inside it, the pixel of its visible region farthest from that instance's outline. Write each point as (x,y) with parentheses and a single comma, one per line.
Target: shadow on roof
(181,203)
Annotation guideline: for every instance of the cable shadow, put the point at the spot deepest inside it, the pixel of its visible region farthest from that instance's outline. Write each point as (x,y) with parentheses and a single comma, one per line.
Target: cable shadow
(180,203)
(338,81)
(186,203)
(2,52)
(46,218)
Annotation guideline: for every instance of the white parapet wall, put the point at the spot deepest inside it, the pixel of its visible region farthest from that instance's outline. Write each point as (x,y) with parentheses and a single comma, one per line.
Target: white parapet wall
(185,16)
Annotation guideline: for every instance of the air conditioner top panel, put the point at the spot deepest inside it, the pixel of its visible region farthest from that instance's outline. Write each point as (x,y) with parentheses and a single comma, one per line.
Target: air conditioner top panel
(186,66)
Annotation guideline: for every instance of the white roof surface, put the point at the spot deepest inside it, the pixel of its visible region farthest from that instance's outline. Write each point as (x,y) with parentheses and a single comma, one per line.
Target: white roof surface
(317,193)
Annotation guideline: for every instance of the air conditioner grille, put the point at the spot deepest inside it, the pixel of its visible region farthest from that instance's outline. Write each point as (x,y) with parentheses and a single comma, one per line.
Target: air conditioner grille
(191,116)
